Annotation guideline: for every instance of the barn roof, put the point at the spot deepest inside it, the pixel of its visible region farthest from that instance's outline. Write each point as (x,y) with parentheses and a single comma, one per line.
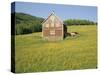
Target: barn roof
(55,16)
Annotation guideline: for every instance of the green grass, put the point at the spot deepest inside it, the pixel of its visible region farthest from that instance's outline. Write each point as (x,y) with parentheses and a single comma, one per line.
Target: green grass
(34,54)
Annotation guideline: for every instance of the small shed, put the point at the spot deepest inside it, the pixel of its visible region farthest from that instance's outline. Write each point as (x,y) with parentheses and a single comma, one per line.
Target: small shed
(53,28)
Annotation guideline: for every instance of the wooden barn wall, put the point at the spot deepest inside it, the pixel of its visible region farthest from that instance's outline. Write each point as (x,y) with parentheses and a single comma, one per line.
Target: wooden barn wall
(58,30)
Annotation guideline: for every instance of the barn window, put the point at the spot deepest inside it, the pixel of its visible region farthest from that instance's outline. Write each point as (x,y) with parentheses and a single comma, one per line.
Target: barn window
(52,32)
(46,25)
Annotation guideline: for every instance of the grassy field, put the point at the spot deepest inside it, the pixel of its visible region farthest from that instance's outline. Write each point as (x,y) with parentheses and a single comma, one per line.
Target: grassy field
(34,54)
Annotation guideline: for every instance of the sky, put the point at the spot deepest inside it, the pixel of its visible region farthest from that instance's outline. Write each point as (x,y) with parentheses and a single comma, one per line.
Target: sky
(62,11)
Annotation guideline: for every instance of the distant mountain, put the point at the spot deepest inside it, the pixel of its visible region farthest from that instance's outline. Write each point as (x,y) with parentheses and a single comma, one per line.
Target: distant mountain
(26,23)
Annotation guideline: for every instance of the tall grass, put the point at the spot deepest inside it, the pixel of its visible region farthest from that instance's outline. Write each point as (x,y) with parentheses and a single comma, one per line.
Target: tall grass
(34,54)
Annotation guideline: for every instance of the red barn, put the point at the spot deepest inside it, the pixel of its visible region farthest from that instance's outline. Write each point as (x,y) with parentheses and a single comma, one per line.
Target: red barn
(53,28)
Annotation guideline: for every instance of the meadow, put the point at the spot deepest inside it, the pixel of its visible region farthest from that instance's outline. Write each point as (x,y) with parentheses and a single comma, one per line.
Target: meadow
(33,54)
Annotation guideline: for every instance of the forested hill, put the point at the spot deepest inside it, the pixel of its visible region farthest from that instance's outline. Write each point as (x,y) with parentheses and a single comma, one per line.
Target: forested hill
(26,18)
(26,23)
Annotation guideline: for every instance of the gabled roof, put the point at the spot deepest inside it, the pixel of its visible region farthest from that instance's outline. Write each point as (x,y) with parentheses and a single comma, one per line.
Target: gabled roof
(51,15)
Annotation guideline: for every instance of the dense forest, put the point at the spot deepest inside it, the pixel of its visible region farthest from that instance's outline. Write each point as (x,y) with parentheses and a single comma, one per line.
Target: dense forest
(79,22)
(26,23)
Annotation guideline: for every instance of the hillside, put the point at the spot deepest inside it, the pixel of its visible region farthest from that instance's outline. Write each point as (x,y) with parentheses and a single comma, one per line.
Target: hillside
(26,18)
(26,23)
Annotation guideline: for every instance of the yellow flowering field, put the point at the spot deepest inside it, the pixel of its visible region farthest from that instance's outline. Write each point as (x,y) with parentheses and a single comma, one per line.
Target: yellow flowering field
(33,54)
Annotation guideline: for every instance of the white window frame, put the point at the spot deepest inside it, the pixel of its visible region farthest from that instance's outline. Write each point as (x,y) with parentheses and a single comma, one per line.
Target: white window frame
(52,32)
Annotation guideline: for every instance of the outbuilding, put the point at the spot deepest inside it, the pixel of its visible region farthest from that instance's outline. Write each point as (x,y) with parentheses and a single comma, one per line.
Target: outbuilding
(53,28)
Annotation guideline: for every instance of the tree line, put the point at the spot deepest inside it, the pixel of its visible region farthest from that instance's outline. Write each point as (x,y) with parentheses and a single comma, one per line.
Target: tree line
(79,22)
(26,23)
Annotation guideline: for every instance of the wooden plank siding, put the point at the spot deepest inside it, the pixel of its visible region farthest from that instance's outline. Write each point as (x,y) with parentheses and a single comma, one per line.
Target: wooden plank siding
(52,28)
